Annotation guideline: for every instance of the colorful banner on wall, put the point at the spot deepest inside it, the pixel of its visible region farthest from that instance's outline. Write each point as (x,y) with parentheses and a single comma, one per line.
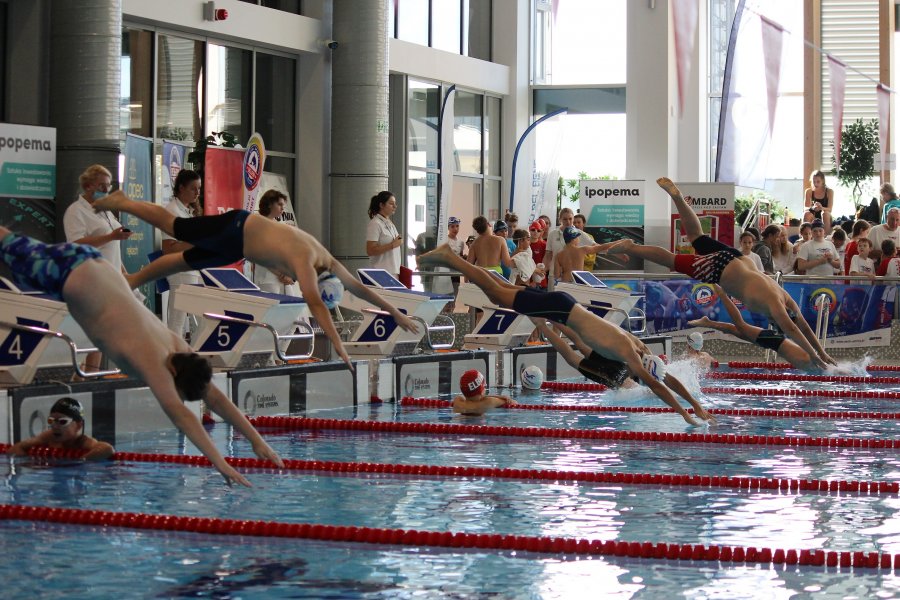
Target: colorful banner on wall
(223,180)
(174,157)
(28,180)
(859,315)
(253,165)
(137,183)
(713,203)
(614,210)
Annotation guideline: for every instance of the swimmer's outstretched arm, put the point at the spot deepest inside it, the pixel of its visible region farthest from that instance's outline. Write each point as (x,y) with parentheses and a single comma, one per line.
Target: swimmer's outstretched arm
(225,408)
(790,328)
(658,388)
(807,332)
(353,285)
(564,349)
(309,287)
(675,384)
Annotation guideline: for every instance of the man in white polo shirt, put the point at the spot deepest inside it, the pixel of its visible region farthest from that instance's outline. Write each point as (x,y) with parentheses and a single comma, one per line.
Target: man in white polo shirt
(889,230)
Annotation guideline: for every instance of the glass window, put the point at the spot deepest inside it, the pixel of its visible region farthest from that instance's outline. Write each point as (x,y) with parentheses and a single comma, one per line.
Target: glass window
(179,84)
(477,28)
(465,203)
(445,21)
(492,136)
(467,132)
(275,105)
(228,89)
(581,31)
(136,97)
(412,21)
(493,207)
(291,6)
(283,166)
(423,113)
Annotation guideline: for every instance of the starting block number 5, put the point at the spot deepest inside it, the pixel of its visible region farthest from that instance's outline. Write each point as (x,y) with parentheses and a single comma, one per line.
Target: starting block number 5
(225,335)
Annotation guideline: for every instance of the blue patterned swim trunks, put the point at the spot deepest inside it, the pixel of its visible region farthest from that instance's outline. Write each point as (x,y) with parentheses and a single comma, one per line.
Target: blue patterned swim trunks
(43,266)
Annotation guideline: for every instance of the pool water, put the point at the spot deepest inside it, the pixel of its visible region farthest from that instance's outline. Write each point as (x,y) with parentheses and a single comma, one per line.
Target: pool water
(51,560)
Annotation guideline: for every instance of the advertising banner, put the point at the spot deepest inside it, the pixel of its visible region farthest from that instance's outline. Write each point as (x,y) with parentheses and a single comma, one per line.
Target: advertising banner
(859,315)
(254,162)
(535,179)
(714,205)
(174,155)
(137,183)
(28,180)
(223,180)
(614,210)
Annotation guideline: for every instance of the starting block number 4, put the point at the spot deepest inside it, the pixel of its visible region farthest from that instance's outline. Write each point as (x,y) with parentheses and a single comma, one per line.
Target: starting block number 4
(19,345)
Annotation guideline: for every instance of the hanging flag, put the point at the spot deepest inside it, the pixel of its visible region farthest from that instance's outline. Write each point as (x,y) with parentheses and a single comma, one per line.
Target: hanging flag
(837,75)
(254,162)
(534,183)
(447,160)
(684,22)
(772,38)
(884,116)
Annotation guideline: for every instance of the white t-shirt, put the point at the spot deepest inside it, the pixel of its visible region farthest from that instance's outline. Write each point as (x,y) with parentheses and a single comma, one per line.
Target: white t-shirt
(80,221)
(879,233)
(784,262)
(555,244)
(862,265)
(756,260)
(813,250)
(382,231)
(178,209)
(893,268)
(456,245)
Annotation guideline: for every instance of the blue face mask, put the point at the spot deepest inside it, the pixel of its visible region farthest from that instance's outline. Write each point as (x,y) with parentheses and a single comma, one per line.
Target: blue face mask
(100,194)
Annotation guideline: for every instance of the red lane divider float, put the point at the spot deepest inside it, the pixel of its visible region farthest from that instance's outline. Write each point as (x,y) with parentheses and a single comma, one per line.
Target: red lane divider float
(304,423)
(739,412)
(449,539)
(740,364)
(563,386)
(739,483)
(803,377)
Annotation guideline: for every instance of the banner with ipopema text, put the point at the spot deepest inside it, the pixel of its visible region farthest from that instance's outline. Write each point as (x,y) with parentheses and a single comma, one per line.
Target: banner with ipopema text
(614,210)
(28,179)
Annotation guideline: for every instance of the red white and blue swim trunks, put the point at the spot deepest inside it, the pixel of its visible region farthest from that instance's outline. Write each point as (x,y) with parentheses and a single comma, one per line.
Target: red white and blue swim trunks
(710,261)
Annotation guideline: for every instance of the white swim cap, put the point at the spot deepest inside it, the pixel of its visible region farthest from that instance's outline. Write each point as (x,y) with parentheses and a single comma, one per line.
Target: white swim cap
(655,366)
(331,289)
(695,341)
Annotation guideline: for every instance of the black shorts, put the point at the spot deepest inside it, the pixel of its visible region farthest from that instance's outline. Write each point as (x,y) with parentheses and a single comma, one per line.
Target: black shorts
(605,371)
(770,339)
(553,306)
(218,240)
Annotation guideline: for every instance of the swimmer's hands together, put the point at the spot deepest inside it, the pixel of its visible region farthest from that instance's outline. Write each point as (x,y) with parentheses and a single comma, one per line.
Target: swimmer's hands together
(705,415)
(265,452)
(232,476)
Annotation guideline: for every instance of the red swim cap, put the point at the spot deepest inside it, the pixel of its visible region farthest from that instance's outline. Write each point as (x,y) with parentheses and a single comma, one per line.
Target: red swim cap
(471,383)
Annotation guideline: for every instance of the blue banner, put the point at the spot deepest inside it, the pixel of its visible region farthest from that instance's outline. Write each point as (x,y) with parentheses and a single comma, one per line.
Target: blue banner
(854,310)
(138,185)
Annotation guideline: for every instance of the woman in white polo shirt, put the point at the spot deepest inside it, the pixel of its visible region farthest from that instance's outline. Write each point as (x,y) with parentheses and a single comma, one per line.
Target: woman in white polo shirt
(185,203)
(382,239)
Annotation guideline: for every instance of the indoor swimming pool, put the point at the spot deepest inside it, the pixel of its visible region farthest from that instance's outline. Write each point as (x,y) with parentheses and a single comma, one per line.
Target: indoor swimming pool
(501,483)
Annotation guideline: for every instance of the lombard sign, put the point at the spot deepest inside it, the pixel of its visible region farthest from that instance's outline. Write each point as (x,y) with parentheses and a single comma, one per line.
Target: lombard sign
(27,161)
(714,205)
(611,203)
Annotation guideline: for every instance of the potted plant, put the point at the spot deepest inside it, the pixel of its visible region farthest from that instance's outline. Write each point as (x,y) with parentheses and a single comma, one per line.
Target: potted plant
(859,145)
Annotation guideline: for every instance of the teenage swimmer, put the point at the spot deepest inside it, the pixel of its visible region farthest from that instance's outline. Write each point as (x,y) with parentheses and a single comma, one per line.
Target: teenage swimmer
(474,401)
(224,239)
(101,302)
(65,429)
(600,336)
(720,264)
(764,338)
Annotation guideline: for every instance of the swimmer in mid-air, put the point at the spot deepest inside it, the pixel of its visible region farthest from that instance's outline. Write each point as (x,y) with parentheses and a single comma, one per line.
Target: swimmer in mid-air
(100,300)
(764,338)
(225,239)
(716,263)
(474,402)
(598,336)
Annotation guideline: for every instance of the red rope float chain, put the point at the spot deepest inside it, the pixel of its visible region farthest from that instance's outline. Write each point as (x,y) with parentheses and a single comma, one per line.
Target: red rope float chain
(596,387)
(304,423)
(448,539)
(739,364)
(740,483)
(741,412)
(803,377)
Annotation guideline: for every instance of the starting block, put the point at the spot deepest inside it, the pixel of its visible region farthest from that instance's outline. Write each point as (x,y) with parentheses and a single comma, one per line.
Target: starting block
(29,322)
(240,319)
(498,328)
(379,335)
(615,306)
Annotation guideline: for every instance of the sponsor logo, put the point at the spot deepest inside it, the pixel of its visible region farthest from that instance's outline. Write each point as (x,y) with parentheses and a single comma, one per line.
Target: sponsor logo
(253,402)
(16,143)
(703,295)
(722,202)
(415,384)
(814,297)
(252,166)
(615,192)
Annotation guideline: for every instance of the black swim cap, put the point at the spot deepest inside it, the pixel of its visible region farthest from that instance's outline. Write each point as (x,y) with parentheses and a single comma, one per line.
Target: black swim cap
(69,407)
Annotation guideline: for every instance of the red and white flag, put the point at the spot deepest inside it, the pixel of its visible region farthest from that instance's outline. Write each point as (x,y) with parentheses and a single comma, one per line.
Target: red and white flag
(772,41)
(837,76)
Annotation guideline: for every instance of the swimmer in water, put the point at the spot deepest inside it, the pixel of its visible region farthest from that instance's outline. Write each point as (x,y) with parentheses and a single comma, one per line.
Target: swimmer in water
(100,300)
(599,336)
(716,263)
(221,240)
(474,402)
(65,431)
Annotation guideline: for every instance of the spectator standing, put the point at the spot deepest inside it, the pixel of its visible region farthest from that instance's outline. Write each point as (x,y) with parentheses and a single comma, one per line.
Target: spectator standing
(889,200)
(860,230)
(185,203)
(585,239)
(783,254)
(556,242)
(383,241)
(818,256)
(861,264)
(763,248)
(501,229)
(271,206)
(747,241)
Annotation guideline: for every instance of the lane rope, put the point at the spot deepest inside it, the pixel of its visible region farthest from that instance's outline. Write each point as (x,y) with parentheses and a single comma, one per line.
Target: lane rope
(741,364)
(449,539)
(563,386)
(736,412)
(717,481)
(802,377)
(310,424)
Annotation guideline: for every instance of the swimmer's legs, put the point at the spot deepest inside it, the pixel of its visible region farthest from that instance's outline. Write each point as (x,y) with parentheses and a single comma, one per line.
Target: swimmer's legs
(152,213)
(660,256)
(501,293)
(165,265)
(689,219)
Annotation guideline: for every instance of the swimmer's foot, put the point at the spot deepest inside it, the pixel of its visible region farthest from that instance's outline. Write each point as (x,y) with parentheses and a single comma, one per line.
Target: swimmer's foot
(442,256)
(621,247)
(113,202)
(701,322)
(669,186)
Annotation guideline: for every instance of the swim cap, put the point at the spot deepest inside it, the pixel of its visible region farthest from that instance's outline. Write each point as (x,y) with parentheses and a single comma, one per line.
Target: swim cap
(471,383)
(331,289)
(695,341)
(536,226)
(655,366)
(69,407)
(501,226)
(570,233)
(453,221)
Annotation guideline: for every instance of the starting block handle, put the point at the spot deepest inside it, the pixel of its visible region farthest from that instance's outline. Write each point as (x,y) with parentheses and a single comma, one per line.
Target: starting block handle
(641,317)
(428,328)
(276,337)
(73,348)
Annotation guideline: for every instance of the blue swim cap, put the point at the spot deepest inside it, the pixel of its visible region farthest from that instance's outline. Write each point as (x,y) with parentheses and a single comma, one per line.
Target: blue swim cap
(331,289)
